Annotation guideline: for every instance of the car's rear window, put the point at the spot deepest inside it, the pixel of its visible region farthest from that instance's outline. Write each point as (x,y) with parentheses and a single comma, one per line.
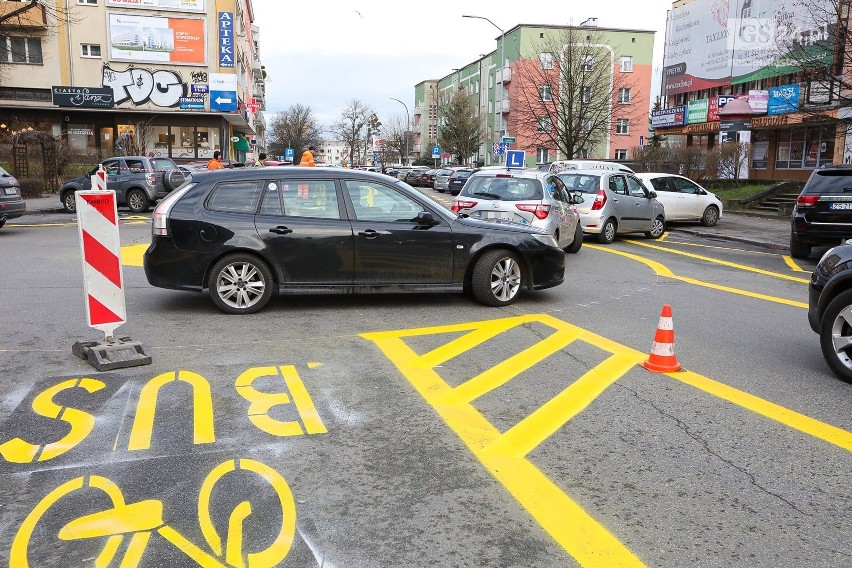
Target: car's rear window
(581,183)
(462,174)
(445,172)
(505,189)
(162,165)
(830,181)
(236,197)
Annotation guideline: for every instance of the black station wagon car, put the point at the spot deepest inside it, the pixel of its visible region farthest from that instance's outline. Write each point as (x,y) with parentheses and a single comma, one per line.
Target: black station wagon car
(245,234)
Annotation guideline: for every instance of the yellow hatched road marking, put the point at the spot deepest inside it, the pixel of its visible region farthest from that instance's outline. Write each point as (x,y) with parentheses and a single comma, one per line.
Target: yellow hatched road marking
(662,270)
(792,264)
(503,454)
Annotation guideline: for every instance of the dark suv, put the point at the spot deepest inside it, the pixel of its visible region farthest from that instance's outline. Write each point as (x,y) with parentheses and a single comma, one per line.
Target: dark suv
(823,213)
(138,181)
(829,304)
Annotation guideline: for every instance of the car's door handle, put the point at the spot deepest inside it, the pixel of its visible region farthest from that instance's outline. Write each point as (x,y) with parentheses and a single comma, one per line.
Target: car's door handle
(281,230)
(369,233)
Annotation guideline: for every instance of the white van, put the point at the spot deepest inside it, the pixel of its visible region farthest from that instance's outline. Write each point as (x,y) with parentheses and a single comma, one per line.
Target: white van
(562,165)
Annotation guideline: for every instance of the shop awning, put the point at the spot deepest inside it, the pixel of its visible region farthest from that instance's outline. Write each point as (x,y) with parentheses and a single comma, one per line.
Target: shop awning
(242,145)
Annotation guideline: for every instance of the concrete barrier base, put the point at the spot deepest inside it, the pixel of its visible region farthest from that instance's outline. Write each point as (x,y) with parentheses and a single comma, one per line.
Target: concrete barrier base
(119,353)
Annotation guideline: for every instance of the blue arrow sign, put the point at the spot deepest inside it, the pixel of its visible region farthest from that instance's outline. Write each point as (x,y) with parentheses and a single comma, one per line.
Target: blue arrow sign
(223,101)
(515,158)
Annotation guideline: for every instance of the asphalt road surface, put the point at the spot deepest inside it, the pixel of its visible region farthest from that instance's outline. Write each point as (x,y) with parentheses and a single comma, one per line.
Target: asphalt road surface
(426,430)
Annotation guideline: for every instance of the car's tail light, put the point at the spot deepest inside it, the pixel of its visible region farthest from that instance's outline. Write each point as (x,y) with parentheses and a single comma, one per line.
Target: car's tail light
(151,178)
(600,200)
(160,221)
(459,204)
(806,201)
(539,210)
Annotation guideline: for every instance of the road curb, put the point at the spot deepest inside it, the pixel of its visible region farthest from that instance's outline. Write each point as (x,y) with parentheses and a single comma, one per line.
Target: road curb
(717,236)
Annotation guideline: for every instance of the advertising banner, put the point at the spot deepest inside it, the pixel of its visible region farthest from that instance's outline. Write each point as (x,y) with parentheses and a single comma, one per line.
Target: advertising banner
(783,99)
(83,97)
(717,103)
(696,111)
(758,100)
(674,116)
(181,5)
(226,39)
(147,39)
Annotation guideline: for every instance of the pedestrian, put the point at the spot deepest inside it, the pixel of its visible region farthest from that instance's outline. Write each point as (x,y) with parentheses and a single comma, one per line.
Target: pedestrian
(308,157)
(216,162)
(260,159)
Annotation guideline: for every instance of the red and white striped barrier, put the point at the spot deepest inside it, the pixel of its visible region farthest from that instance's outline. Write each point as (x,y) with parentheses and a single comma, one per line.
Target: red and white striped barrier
(97,220)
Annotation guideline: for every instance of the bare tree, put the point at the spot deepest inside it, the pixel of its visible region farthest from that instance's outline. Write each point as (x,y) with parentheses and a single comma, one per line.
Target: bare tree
(398,138)
(296,127)
(31,19)
(350,128)
(461,129)
(568,89)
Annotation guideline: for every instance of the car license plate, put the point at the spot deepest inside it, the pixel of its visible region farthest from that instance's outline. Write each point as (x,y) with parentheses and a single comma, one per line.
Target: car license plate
(10,191)
(840,205)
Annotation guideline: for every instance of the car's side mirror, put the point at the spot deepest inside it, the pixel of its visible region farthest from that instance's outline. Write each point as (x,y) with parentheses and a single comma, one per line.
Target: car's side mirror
(426,219)
(651,194)
(702,192)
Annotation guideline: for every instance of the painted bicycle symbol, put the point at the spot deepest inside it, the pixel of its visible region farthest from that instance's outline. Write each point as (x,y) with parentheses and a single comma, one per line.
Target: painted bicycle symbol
(143,520)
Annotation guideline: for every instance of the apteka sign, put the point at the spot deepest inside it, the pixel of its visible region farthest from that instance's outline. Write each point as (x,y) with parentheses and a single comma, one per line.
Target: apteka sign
(226,39)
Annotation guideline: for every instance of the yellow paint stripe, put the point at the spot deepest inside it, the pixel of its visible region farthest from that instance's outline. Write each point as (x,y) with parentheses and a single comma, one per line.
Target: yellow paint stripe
(722,262)
(132,255)
(302,400)
(800,422)
(508,369)
(715,247)
(663,237)
(792,264)
(462,344)
(662,270)
(533,430)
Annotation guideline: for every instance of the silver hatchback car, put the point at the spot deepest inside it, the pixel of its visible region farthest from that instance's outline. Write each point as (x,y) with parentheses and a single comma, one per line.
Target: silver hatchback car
(527,197)
(442,180)
(615,203)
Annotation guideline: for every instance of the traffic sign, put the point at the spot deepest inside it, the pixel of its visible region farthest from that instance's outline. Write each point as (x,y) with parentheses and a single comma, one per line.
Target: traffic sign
(436,151)
(289,153)
(223,92)
(515,158)
(509,140)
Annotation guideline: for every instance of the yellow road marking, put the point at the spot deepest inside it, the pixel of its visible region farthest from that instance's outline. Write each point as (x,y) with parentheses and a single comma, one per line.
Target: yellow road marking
(504,454)
(716,247)
(132,255)
(41,225)
(722,262)
(662,270)
(792,264)
(663,237)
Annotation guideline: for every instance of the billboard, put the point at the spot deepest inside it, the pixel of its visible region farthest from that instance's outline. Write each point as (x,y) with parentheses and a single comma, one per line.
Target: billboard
(150,39)
(711,43)
(696,111)
(673,116)
(783,99)
(181,5)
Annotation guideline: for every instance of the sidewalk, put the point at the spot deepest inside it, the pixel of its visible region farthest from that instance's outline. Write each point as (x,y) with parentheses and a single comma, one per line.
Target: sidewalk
(736,227)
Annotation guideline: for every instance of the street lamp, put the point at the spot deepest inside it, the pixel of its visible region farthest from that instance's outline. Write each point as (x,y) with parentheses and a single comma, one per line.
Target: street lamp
(405,134)
(499,125)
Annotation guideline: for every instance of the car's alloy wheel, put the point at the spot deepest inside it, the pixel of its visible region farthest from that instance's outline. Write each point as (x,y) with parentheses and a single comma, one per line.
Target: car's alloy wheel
(607,234)
(137,201)
(240,284)
(497,278)
(658,227)
(69,202)
(710,217)
(835,335)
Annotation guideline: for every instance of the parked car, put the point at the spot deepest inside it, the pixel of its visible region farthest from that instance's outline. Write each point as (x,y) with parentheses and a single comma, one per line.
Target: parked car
(457,180)
(615,203)
(683,199)
(823,212)
(442,179)
(829,308)
(562,165)
(412,177)
(391,172)
(528,197)
(138,181)
(426,178)
(12,204)
(402,172)
(245,234)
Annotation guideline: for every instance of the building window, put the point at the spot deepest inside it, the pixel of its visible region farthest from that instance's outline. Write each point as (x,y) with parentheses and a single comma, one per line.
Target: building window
(624,95)
(627,64)
(621,154)
(491,81)
(87,2)
(476,88)
(586,95)
(90,50)
(544,93)
(541,155)
(588,63)
(546,59)
(20,50)
(805,148)
(584,153)
(622,126)
(544,124)
(586,126)
(433,132)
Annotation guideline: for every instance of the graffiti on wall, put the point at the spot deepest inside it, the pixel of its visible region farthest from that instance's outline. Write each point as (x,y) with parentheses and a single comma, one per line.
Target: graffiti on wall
(140,86)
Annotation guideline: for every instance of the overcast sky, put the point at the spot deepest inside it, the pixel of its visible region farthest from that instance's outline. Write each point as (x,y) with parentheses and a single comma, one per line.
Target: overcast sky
(325,53)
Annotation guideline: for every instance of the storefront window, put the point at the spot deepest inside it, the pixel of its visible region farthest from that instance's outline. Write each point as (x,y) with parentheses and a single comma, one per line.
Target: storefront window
(125,140)
(183,145)
(797,148)
(805,148)
(782,156)
(157,142)
(760,149)
(207,141)
(81,137)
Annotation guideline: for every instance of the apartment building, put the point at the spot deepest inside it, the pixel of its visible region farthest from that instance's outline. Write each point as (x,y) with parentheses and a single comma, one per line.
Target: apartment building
(769,73)
(176,79)
(500,92)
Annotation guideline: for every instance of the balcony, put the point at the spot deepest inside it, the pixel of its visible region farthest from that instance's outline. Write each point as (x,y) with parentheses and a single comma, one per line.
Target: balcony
(418,110)
(505,105)
(504,75)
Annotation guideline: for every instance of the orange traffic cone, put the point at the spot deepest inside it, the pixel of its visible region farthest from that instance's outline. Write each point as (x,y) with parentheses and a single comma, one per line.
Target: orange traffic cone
(662,358)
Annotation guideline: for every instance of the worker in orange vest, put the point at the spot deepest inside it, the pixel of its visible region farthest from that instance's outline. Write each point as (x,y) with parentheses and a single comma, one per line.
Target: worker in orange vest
(308,157)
